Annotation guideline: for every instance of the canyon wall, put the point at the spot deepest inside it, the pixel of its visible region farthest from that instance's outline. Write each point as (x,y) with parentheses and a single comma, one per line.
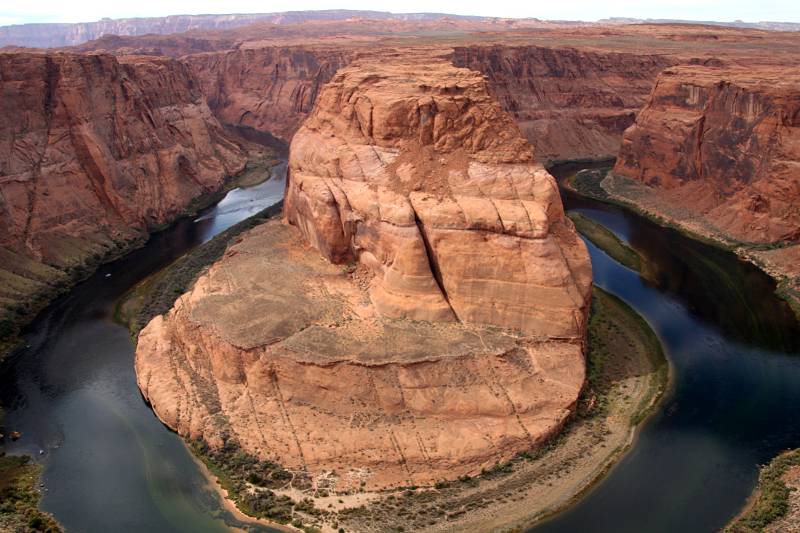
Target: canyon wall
(719,148)
(424,315)
(569,103)
(94,151)
(269,89)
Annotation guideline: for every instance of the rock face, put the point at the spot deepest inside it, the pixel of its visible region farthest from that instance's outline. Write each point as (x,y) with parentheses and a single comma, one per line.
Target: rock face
(93,152)
(269,89)
(421,318)
(572,104)
(423,178)
(723,144)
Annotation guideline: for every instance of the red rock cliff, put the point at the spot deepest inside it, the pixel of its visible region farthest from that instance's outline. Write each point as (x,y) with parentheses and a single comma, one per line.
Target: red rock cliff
(723,145)
(270,89)
(94,150)
(569,103)
(450,340)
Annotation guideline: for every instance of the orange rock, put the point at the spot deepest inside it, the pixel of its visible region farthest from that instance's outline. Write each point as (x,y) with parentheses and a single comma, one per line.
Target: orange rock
(96,150)
(269,88)
(724,145)
(570,103)
(452,341)
(413,169)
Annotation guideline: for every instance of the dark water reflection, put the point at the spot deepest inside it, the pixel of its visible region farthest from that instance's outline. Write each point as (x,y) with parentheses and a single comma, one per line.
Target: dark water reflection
(109,463)
(734,347)
(111,466)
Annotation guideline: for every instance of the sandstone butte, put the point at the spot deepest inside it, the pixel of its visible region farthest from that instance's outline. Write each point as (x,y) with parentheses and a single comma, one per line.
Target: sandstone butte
(94,151)
(420,313)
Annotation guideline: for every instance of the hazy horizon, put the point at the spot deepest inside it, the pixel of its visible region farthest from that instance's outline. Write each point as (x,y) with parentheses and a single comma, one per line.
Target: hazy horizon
(44,11)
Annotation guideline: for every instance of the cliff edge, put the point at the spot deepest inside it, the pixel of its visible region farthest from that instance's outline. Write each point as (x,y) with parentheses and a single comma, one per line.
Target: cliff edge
(421,316)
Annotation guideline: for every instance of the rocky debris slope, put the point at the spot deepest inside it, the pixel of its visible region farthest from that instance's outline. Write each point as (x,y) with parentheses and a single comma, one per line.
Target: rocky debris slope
(571,103)
(422,318)
(724,145)
(94,151)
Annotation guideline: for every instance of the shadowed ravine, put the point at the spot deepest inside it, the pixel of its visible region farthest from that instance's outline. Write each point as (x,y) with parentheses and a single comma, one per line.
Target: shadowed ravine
(111,466)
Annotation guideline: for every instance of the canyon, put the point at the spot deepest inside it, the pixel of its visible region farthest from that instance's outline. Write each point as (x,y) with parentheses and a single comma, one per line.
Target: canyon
(461,300)
(723,143)
(430,317)
(96,151)
(47,35)
(573,92)
(717,151)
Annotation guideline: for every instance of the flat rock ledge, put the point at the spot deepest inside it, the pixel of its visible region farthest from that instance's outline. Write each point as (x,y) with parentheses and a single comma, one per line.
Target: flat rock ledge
(281,350)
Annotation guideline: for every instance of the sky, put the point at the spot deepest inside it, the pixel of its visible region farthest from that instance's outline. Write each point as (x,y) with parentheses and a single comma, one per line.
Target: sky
(20,12)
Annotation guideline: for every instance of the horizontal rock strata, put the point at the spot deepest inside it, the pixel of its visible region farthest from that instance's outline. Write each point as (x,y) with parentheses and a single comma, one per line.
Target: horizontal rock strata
(570,103)
(421,318)
(723,146)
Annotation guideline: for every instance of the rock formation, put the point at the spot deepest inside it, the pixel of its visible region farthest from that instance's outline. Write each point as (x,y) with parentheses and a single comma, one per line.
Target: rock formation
(94,150)
(421,318)
(402,172)
(270,89)
(572,104)
(722,145)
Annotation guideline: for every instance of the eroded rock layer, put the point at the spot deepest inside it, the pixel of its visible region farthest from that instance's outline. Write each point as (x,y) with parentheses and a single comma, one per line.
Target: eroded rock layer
(421,318)
(719,148)
(267,88)
(94,150)
(572,104)
(419,174)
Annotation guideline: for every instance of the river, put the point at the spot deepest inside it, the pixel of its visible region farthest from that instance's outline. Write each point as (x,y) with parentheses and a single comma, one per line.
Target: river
(109,465)
(735,352)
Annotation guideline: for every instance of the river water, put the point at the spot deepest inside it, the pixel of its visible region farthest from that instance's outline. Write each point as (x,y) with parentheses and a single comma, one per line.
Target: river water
(110,465)
(735,351)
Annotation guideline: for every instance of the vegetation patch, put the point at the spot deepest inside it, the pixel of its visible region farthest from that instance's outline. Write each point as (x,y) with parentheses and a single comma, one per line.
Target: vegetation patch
(252,484)
(587,182)
(771,499)
(19,497)
(789,290)
(607,241)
